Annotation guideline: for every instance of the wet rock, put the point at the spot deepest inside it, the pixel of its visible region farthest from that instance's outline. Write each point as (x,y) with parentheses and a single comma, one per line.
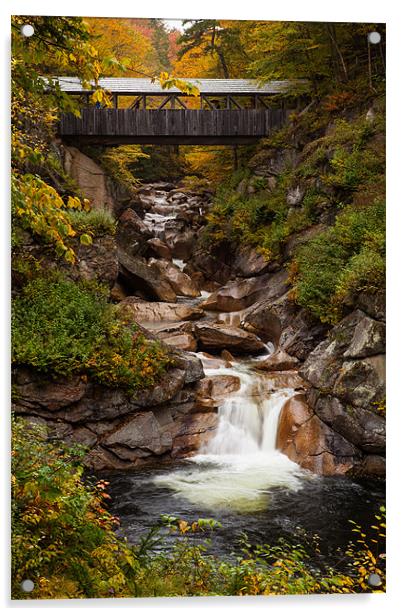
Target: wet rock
(295,412)
(285,379)
(141,431)
(178,280)
(283,323)
(218,387)
(241,294)
(192,366)
(148,312)
(214,336)
(159,248)
(305,439)
(132,234)
(139,275)
(196,431)
(279,360)
(212,362)
(371,466)
(228,357)
(180,239)
(183,341)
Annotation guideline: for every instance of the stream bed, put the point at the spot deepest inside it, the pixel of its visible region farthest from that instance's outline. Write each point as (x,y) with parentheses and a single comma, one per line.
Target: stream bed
(239,478)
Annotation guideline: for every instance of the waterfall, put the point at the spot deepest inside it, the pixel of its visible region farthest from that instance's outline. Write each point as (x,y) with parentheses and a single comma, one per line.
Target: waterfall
(248,419)
(239,466)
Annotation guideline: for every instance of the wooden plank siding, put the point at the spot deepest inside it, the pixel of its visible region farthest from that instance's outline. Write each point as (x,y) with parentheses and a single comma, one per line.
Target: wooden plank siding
(170,125)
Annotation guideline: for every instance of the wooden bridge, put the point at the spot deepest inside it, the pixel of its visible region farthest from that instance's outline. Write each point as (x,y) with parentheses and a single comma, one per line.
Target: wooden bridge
(231,111)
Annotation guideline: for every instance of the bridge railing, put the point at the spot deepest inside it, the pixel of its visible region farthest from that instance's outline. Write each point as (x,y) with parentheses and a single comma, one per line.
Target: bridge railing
(159,123)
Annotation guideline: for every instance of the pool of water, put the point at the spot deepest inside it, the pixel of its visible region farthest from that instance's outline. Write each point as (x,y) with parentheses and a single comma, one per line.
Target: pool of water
(309,505)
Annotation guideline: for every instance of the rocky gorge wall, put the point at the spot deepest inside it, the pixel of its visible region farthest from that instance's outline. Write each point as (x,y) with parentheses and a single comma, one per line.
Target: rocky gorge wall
(224,304)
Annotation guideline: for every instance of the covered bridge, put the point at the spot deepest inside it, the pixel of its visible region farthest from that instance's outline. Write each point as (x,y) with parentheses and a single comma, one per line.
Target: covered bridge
(227,111)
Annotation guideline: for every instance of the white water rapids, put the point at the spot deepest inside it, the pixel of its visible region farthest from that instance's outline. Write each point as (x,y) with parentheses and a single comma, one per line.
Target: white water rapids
(240,465)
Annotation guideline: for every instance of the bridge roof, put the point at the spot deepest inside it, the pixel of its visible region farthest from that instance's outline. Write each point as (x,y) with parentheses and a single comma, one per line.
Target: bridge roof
(138,86)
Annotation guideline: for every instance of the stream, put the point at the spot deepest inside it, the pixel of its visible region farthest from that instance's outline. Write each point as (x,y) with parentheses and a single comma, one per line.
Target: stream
(239,477)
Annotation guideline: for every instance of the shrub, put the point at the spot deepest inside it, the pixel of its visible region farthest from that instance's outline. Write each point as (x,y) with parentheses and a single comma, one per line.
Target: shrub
(38,208)
(62,327)
(62,535)
(94,222)
(63,540)
(346,258)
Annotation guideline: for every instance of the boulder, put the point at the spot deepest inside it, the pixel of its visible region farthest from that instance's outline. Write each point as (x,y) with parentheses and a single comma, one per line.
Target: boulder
(142,432)
(283,323)
(139,275)
(89,402)
(362,382)
(159,248)
(196,430)
(368,339)
(35,390)
(183,341)
(132,233)
(148,312)
(211,265)
(285,379)
(372,304)
(241,294)
(249,262)
(191,364)
(213,336)
(371,466)
(279,360)
(178,280)
(308,441)
(180,239)
(363,428)
(218,386)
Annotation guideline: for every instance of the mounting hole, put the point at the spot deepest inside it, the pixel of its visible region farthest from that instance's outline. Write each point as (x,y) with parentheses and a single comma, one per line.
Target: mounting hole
(27,585)
(374,580)
(27,30)
(374,37)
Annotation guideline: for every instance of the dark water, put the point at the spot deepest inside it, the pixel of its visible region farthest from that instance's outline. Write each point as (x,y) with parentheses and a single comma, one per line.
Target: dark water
(322,506)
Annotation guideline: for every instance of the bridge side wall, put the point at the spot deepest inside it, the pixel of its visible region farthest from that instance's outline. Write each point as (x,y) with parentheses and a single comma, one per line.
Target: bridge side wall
(171,123)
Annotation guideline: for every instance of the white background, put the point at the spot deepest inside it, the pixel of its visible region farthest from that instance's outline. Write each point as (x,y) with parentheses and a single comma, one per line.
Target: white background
(293,10)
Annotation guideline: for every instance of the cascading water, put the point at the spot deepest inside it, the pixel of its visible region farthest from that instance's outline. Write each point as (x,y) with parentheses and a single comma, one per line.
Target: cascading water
(247,421)
(240,464)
